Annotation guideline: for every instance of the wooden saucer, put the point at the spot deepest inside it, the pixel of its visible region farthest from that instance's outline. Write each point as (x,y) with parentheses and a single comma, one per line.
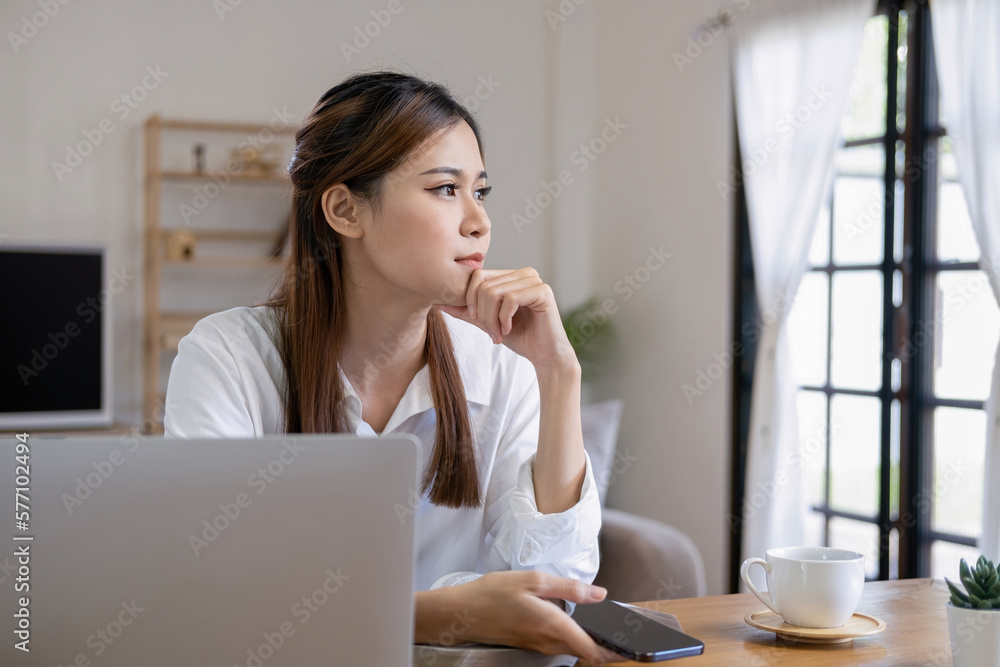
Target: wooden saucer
(858,625)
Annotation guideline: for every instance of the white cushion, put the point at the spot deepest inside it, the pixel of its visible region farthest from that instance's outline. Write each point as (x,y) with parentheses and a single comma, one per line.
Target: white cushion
(600,436)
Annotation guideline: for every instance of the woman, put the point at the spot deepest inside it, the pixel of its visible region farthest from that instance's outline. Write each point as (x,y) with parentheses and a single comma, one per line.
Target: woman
(386,322)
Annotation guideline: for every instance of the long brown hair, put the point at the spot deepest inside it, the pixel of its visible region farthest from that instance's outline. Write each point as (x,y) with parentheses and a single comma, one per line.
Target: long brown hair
(358,132)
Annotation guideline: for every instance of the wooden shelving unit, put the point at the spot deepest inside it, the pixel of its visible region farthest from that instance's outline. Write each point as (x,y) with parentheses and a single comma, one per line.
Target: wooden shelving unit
(163,330)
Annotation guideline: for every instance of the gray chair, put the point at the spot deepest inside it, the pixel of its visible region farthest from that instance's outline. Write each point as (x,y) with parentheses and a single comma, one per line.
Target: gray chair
(641,558)
(645,559)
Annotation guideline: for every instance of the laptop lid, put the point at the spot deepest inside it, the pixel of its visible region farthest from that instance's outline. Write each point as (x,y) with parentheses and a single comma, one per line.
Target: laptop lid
(284,550)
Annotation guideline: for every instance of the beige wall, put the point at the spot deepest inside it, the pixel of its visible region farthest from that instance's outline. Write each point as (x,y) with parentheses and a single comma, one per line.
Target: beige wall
(559,81)
(657,188)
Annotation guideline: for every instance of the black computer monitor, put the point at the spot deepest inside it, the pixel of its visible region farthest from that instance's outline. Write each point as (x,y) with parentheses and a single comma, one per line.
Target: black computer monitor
(55,337)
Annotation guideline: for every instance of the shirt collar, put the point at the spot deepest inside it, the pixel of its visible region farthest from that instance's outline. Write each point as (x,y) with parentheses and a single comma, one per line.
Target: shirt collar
(474,365)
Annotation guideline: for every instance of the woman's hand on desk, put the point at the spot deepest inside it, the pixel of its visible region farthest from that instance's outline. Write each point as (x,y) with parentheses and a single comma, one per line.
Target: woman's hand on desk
(511,608)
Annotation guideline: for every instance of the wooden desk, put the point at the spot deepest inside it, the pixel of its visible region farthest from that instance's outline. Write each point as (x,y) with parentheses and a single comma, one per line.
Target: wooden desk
(916,630)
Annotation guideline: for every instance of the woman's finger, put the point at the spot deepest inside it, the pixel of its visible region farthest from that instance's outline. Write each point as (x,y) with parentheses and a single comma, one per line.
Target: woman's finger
(527,295)
(579,643)
(548,585)
(498,302)
(480,276)
(472,293)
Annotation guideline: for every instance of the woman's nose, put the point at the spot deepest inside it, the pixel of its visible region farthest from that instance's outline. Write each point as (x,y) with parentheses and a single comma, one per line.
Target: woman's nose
(476,222)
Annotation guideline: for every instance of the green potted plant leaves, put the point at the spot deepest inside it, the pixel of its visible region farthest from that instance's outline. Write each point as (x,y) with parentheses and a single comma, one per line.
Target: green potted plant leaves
(974,615)
(590,333)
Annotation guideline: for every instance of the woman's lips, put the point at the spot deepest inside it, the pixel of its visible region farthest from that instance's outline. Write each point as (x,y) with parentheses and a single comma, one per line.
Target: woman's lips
(474,261)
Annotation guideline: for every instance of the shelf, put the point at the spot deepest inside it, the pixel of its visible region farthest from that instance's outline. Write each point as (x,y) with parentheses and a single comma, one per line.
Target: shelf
(256,236)
(216,126)
(225,234)
(211,176)
(227,262)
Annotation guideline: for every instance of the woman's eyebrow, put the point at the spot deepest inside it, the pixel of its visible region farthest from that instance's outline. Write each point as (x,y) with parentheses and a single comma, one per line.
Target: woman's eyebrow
(454,171)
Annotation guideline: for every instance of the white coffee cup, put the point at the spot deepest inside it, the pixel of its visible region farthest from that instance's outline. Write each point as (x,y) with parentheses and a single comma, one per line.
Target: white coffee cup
(811,587)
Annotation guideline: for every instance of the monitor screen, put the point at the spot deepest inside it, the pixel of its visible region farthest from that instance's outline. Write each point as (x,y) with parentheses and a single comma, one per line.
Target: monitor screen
(54,344)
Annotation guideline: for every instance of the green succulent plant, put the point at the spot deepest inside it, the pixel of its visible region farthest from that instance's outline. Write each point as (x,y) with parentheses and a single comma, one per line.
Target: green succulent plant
(982,586)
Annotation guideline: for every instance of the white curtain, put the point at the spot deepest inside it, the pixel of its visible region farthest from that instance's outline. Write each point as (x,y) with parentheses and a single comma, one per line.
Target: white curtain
(793,63)
(967,48)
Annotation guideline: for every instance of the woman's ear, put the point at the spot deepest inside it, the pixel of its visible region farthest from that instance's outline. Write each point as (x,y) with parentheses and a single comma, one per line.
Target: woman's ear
(342,211)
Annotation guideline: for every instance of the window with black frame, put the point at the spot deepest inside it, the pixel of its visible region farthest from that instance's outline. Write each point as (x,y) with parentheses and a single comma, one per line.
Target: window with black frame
(892,327)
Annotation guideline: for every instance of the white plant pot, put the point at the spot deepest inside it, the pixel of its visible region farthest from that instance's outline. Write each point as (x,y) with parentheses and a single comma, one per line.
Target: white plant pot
(975,636)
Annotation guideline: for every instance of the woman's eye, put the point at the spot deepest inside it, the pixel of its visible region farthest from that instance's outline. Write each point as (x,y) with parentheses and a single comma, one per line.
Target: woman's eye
(449,190)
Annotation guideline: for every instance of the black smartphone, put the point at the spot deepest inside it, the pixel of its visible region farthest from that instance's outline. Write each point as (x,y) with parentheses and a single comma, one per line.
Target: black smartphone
(632,635)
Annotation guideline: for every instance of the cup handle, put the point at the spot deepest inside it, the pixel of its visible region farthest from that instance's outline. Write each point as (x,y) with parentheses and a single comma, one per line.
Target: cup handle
(744,575)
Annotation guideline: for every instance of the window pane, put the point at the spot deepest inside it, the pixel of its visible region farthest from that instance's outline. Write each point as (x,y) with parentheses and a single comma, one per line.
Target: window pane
(854,454)
(856,361)
(897,234)
(894,553)
(811,407)
(814,529)
(902,29)
(861,161)
(858,220)
(865,115)
(947,166)
(807,329)
(857,536)
(959,449)
(969,326)
(894,411)
(945,557)
(819,251)
(955,238)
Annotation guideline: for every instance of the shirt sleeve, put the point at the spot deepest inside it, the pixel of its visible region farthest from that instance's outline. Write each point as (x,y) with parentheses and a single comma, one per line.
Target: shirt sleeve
(519,537)
(205,393)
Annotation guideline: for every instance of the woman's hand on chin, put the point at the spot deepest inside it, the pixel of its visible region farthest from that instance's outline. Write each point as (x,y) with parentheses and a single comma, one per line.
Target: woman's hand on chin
(519,310)
(510,608)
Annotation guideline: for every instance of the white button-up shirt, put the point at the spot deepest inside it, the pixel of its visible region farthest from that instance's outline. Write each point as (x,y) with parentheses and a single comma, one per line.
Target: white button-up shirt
(228,381)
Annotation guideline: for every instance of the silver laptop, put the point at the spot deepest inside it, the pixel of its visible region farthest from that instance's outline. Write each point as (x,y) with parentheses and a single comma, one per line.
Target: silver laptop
(286,550)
